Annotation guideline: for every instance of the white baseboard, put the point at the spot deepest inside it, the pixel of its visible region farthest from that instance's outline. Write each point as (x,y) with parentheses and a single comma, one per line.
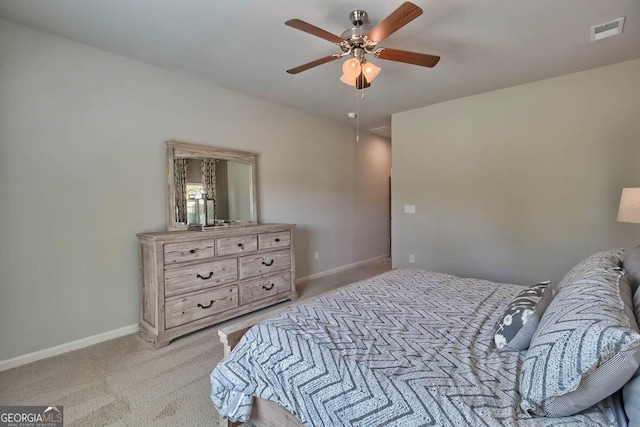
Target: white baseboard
(339,269)
(64,348)
(130,329)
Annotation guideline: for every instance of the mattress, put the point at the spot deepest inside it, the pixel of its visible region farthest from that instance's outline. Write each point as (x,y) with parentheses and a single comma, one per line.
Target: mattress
(406,348)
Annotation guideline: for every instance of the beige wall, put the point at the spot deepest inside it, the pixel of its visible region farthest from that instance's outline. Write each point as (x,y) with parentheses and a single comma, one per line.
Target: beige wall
(519,184)
(82,170)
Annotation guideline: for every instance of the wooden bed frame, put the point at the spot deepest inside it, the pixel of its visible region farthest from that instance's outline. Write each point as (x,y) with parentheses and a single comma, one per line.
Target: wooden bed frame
(264,412)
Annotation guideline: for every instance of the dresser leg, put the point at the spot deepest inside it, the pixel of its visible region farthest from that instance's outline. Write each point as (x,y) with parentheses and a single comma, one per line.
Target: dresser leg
(161,344)
(155,342)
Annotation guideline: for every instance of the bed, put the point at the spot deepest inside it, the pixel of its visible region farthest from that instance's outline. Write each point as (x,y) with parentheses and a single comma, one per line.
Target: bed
(408,347)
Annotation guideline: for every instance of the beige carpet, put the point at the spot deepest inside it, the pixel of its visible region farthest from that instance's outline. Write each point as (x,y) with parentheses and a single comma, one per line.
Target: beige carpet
(126,382)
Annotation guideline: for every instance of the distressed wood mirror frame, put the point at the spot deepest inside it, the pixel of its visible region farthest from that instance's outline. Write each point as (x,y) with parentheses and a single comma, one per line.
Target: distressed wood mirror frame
(185,150)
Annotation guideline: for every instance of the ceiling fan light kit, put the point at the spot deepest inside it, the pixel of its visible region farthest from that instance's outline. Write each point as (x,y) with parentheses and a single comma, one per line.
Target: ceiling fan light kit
(357,42)
(353,70)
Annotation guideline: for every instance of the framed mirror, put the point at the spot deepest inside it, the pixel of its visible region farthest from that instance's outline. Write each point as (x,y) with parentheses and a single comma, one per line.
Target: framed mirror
(209,186)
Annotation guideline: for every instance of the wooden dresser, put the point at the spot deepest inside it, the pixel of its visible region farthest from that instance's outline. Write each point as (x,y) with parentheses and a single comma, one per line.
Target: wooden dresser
(194,279)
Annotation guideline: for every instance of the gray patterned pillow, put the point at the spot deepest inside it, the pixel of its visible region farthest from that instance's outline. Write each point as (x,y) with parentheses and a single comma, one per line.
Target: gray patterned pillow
(605,259)
(521,317)
(585,347)
(631,391)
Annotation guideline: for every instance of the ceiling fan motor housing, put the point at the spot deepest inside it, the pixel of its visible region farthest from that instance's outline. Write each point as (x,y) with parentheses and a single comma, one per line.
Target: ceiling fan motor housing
(358,17)
(355,41)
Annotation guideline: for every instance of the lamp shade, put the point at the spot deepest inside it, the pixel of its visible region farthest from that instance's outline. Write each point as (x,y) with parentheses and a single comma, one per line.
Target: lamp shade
(351,81)
(629,210)
(370,71)
(351,68)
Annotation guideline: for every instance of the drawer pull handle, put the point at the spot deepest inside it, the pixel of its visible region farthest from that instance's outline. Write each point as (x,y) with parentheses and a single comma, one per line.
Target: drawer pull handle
(277,240)
(268,288)
(204,278)
(240,245)
(192,251)
(207,306)
(269,264)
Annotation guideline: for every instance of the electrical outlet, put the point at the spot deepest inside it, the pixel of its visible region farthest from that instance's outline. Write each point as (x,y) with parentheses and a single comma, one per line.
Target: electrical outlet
(412,259)
(317,255)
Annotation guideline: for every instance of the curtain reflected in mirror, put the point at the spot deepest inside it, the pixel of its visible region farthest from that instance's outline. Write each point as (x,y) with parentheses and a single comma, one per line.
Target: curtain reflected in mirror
(180,183)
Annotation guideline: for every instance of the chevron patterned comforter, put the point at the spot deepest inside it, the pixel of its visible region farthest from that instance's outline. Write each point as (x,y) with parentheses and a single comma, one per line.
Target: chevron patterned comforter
(406,348)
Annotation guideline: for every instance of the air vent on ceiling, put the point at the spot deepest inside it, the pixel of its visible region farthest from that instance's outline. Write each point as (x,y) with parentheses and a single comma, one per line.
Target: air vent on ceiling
(608,29)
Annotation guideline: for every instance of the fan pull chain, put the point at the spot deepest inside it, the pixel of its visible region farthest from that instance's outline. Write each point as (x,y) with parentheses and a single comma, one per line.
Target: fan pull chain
(357,116)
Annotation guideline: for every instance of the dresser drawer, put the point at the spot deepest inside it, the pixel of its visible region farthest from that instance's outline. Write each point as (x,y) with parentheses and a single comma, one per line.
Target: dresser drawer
(186,279)
(255,290)
(181,310)
(188,251)
(274,240)
(236,245)
(256,265)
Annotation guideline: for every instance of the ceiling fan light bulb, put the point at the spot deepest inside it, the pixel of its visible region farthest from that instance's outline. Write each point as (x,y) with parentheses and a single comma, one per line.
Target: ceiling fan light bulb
(351,68)
(351,81)
(370,71)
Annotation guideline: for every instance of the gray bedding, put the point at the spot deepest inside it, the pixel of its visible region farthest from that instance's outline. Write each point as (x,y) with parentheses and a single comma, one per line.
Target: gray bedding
(406,348)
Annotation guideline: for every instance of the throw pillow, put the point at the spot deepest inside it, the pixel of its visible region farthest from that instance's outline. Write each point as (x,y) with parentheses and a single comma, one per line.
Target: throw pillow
(586,346)
(605,259)
(521,317)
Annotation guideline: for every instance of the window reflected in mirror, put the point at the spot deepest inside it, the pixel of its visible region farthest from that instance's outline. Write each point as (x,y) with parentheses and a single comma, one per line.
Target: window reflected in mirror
(211,191)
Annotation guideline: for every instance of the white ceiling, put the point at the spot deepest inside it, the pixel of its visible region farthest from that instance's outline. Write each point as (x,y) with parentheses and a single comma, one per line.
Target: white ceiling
(244,45)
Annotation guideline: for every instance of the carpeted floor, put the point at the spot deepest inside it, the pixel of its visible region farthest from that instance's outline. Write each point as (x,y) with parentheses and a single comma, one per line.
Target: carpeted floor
(126,382)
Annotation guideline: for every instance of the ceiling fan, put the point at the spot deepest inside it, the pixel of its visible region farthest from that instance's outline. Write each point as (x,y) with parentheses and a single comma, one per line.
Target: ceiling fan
(358,41)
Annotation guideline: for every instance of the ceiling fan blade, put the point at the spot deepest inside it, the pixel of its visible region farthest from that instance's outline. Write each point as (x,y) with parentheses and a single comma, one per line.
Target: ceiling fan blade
(312,64)
(400,17)
(407,57)
(313,30)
